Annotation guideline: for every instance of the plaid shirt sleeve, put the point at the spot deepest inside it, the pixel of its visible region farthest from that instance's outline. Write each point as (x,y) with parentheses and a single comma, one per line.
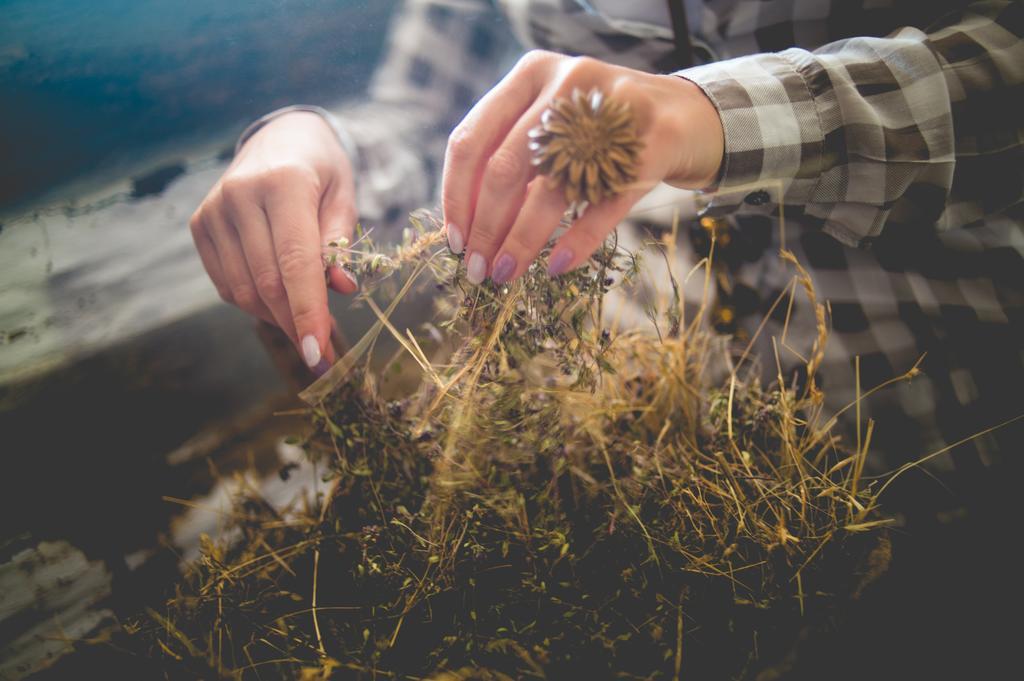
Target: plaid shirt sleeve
(867,135)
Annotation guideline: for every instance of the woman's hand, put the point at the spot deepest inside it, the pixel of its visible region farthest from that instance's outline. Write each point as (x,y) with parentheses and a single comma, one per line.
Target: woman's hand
(503,215)
(261,228)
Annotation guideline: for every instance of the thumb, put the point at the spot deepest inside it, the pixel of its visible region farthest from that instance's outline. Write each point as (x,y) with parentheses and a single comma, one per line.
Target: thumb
(337,221)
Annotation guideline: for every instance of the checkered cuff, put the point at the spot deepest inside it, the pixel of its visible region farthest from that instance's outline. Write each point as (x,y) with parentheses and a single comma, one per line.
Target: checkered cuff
(774,142)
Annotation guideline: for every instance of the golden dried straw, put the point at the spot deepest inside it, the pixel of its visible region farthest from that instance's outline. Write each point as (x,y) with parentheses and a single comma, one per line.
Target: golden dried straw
(586,144)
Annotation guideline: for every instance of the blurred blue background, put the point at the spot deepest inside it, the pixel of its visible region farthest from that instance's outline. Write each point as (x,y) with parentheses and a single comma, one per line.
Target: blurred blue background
(88,84)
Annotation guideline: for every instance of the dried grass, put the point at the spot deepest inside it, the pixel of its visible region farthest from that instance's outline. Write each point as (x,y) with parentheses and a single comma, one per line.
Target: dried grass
(556,500)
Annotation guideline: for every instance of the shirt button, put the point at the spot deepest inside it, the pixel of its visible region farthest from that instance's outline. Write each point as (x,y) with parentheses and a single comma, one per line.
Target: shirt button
(758,198)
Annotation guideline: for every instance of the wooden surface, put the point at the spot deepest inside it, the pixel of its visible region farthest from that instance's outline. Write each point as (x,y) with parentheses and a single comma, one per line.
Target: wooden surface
(50,596)
(73,286)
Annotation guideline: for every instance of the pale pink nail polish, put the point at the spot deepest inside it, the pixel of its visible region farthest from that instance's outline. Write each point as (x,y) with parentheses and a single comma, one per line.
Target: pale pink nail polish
(476,269)
(310,351)
(455,239)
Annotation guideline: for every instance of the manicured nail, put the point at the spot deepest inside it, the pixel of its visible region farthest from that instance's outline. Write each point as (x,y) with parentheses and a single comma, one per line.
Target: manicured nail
(455,242)
(504,266)
(476,269)
(349,275)
(310,351)
(321,368)
(559,263)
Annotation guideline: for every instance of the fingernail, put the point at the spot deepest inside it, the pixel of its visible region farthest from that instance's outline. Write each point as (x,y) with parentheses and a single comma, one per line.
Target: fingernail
(321,368)
(349,275)
(310,351)
(559,262)
(455,242)
(503,268)
(476,269)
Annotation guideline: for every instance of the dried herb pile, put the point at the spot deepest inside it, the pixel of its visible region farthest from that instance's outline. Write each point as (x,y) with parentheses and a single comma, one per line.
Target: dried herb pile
(559,499)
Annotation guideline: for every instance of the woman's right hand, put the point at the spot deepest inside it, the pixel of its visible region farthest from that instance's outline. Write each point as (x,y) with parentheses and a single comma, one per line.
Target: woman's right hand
(261,229)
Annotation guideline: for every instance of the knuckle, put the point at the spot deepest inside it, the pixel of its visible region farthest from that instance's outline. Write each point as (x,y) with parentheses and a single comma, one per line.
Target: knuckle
(626,89)
(270,286)
(582,67)
(453,207)
(460,144)
(592,230)
(235,190)
(623,87)
(505,168)
(484,236)
(295,261)
(587,240)
(534,58)
(520,243)
(195,223)
(305,318)
(294,176)
(246,298)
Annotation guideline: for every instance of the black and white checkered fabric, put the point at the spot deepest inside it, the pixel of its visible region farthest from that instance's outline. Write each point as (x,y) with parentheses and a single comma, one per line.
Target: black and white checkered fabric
(888,132)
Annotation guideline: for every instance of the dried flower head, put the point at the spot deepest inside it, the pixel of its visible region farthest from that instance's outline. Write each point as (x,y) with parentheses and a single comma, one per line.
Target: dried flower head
(588,145)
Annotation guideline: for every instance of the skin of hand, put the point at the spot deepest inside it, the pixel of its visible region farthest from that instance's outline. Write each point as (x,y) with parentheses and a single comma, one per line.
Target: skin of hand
(261,228)
(503,214)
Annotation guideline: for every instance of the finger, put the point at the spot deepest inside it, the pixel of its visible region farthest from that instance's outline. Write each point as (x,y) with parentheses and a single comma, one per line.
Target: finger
(501,194)
(540,216)
(337,221)
(588,233)
(208,256)
(293,214)
(232,263)
(250,224)
(476,137)
(342,279)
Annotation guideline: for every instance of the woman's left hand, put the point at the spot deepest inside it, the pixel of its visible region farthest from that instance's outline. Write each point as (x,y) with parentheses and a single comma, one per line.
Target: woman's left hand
(502,214)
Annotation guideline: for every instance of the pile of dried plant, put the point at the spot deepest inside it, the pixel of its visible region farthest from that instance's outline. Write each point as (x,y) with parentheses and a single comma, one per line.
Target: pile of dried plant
(557,500)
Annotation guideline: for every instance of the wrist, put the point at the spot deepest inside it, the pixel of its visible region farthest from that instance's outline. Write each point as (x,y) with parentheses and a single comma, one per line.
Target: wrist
(327,121)
(698,136)
(301,123)
(715,152)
